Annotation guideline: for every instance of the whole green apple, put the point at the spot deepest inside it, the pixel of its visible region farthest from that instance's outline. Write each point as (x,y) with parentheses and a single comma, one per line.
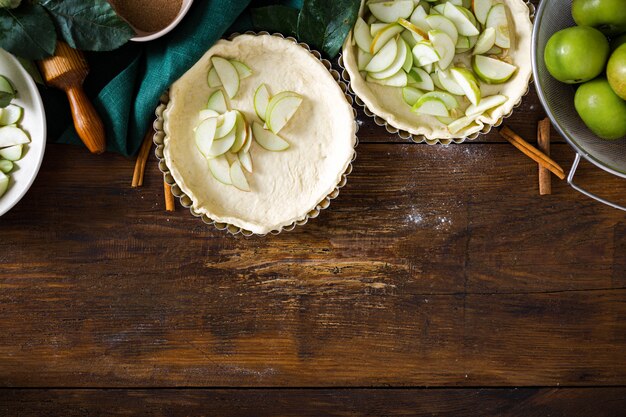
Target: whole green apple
(601,109)
(577,54)
(616,71)
(607,15)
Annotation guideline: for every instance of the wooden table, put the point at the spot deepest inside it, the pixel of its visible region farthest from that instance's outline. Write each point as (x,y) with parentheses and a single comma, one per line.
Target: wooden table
(438,283)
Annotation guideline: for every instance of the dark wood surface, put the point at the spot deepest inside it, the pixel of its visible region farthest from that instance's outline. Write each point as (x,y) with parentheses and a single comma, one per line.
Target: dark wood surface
(439,279)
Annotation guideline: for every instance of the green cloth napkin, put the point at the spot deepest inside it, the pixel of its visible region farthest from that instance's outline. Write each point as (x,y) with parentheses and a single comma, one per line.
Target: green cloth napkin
(127,102)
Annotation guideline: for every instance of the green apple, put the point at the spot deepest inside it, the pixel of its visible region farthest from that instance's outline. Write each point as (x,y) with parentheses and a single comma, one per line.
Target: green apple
(417,33)
(418,18)
(449,84)
(240,134)
(268,140)
(391,11)
(481,9)
(603,111)
(421,79)
(374,29)
(498,20)
(237,176)
(6,166)
(10,135)
(383,37)
(459,124)
(243,70)
(261,100)
(424,53)
(227,74)
(397,64)
(249,140)
(384,57)
(217,102)
(616,71)
(205,134)
(443,46)
(468,83)
(246,160)
(220,169)
(280,110)
(213,79)
(443,23)
(399,79)
(491,70)
(4,183)
(409,39)
(362,35)
(11,114)
(206,113)
(408,56)
(7,92)
(486,103)
(607,15)
(12,153)
(447,99)
(577,54)
(410,95)
(226,123)
(485,41)
(463,24)
(223,145)
(431,106)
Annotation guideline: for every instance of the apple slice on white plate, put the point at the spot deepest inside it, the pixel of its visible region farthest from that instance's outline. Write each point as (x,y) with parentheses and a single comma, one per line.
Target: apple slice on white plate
(226,123)
(448,83)
(221,146)
(431,106)
(485,104)
(227,74)
(410,95)
(280,110)
(459,124)
(237,176)
(243,70)
(424,53)
(246,160)
(11,114)
(481,9)
(417,33)
(217,102)
(498,20)
(6,166)
(240,134)
(421,79)
(485,41)
(391,11)
(384,36)
(362,35)
(444,24)
(268,140)
(362,59)
(12,153)
(463,24)
(468,83)
(397,63)
(10,135)
(399,79)
(220,169)
(491,70)
(448,99)
(384,58)
(213,79)
(261,100)
(443,46)
(205,134)
(4,183)
(206,113)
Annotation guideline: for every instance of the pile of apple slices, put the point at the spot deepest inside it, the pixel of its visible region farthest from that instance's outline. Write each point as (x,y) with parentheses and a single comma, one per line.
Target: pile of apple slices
(224,136)
(420,46)
(12,137)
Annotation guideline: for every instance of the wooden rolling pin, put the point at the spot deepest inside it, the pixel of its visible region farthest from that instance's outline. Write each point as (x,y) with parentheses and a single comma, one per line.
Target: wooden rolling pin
(67,70)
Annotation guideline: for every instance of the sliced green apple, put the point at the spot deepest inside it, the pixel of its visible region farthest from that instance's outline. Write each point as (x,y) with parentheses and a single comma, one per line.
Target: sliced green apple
(443,46)
(417,33)
(485,41)
(418,18)
(408,38)
(213,79)
(279,112)
(438,9)
(384,58)
(410,95)
(470,16)
(362,35)
(463,24)
(485,104)
(243,70)
(223,145)
(362,59)
(491,70)
(481,9)
(217,102)
(468,83)
(205,134)
(12,153)
(240,134)
(423,81)
(435,77)
(261,100)
(391,11)
(462,44)
(449,83)
(424,53)
(227,74)
(249,140)
(6,86)
(498,20)
(408,57)
(268,140)
(220,169)
(374,29)
(10,135)
(459,124)
(383,37)
(206,113)
(496,50)
(396,65)
(448,99)
(4,183)
(443,23)
(237,176)
(246,160)
(11,114)
(399,79)
(6,166)
(431,106)
(226,123)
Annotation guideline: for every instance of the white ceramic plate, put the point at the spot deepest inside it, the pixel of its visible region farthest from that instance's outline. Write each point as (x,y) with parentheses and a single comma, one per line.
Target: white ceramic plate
(33,123)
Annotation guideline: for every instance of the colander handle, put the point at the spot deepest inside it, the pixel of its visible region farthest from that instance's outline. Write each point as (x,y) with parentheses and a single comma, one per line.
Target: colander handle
(570,180)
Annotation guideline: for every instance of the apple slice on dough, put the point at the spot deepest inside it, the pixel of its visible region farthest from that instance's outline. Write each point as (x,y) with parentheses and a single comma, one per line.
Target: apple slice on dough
(249,140)
(391,11)
(374,29)
(206,113)
(459,124)
(399,79)
(10,135)
(6,166)
(205,134)
(12,153)
(362,59)
(226,123)
(220,169)
(417,33)
(447,99)
(485,42)
(424,53)
(4,183)
(431,106)
(468,83)
(408,56)
(449,84)
(443,46)
(497,19)
(267,140)
(213,79)
(491,70)
(461,21)
(243,70)
(261,100)
(11,114)
(384,58)
(221,146)
(485,104)
(227,74)
(246,160)
(217,102)
(397,63)
(481,9)
(410,95)
(362,35)
(422,79)
(240,134)
(384,36)
(444,24)
(280,112)
(237,177)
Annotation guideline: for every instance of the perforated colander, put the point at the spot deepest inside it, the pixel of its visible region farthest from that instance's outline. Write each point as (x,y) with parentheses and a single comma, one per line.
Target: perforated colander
(558,100)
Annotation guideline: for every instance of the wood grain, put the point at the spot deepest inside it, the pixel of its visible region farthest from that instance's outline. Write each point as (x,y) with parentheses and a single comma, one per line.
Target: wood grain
(436,266)
(530,402)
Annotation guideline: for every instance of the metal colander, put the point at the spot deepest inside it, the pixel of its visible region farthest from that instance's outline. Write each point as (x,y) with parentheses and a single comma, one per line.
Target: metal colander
(558,100)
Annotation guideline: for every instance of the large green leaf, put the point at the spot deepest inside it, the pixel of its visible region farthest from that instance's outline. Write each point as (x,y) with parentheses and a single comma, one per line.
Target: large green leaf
(325,23)
(277,18)
(89,25)
(27,32)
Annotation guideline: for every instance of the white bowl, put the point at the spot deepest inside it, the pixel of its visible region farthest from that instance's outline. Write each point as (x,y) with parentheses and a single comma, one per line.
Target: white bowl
(33,122)
(145,37)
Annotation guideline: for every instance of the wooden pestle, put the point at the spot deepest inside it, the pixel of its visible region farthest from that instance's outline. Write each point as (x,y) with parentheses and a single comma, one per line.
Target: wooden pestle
(67,70)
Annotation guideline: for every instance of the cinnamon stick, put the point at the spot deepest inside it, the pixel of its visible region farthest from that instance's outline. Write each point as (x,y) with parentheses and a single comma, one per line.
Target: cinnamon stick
(142,158)
(543,141)
(532,152)
(169,197)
